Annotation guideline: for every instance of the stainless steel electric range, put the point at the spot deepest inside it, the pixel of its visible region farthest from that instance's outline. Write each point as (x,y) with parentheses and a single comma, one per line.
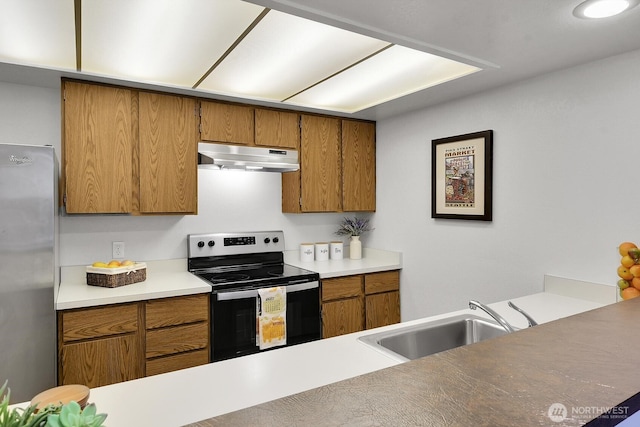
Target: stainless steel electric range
(236,265)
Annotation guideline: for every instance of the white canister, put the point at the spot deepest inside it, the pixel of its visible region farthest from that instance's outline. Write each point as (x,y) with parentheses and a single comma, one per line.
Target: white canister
(322,251)
(335,250)
(306,252)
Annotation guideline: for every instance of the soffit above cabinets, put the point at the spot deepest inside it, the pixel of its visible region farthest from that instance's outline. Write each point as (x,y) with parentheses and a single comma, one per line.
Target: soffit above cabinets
(224,47)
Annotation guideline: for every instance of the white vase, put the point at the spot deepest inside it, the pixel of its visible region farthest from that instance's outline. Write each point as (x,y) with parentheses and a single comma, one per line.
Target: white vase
(355,248)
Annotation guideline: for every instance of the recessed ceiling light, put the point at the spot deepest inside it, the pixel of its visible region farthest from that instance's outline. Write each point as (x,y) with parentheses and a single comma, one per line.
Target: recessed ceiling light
(595,9)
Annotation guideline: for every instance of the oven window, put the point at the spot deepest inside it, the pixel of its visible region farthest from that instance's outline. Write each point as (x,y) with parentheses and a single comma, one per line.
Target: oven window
(234,328)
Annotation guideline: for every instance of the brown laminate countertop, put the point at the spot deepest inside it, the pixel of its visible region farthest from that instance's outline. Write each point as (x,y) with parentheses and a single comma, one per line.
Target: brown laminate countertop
(587,362)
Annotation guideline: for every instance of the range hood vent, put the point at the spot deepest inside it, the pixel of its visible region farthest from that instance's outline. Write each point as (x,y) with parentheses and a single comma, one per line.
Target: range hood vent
(221,156)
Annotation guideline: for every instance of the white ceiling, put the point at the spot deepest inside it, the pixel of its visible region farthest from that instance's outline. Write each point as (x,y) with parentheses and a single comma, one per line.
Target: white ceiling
(510,39)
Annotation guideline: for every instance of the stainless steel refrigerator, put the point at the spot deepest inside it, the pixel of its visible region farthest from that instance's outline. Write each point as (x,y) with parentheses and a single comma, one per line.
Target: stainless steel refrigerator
(29,276)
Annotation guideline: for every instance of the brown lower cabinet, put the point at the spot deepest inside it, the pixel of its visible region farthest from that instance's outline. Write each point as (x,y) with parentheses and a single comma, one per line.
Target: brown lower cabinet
(104,345)
(358,302)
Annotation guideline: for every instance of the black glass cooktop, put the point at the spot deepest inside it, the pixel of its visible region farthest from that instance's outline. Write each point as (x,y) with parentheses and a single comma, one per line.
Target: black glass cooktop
(261,275)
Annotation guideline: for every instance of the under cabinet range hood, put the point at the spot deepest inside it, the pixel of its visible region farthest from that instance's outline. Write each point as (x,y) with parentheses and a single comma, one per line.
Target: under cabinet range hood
(221,156)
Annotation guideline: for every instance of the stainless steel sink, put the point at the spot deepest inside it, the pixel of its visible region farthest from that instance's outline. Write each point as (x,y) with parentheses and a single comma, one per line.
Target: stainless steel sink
(413,342)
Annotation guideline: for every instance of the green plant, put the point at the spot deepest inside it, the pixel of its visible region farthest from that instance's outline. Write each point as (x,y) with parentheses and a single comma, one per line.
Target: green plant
(71,415)
(19,417)
(353,226)
(67,415)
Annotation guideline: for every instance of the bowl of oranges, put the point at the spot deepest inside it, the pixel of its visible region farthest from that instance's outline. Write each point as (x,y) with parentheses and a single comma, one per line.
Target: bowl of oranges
(629,270)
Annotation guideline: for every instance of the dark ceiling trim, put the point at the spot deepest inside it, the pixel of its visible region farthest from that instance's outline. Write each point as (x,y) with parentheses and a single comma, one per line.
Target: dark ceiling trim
(232,47)
(340,71)
(77,6)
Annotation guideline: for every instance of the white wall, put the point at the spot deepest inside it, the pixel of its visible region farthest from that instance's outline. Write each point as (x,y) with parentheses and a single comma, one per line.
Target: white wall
(566,168)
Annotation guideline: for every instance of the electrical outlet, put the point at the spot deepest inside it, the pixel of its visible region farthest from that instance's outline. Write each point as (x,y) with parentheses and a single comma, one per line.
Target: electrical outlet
(118,250)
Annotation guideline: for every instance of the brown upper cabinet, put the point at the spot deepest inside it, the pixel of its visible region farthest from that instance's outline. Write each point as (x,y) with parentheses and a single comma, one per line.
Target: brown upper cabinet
(358,166)
(337,167)
(228,123)
(126,151)
(246,125)
(277,128)
(168,154)
(97,148)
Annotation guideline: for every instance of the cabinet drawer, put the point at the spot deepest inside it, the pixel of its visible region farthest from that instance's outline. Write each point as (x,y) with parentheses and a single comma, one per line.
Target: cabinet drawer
(341,287)
(177,311)
(99,322)
(382,282)
(177,339)
(178,361)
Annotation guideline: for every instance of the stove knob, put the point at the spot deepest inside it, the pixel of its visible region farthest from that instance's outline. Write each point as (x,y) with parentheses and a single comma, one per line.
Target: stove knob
(267,240)
(201,244)
(276,240)
(211,243)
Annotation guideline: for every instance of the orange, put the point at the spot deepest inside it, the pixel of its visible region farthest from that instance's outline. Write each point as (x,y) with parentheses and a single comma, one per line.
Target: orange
(635,282)
(635,270)
(624,248)
(629,293)
(115,263)
(623,272)
(627,261)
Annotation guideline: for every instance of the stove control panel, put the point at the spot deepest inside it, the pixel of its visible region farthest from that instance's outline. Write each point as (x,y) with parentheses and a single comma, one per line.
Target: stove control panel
(215,244)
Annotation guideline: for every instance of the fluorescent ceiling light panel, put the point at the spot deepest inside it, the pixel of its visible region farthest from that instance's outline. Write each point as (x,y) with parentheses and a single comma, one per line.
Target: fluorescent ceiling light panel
(393,73)
(162,41)
(285,54)
(38,33)
(176,43)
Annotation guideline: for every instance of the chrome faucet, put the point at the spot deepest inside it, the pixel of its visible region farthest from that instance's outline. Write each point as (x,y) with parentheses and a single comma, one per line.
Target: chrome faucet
(521,311)
(507,327)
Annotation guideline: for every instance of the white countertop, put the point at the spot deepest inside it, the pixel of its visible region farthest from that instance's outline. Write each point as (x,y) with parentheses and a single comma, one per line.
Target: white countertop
(372,260)
(168,278)
(210,390)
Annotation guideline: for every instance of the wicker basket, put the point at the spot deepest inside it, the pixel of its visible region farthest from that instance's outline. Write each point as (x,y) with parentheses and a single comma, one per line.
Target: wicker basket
(115,277)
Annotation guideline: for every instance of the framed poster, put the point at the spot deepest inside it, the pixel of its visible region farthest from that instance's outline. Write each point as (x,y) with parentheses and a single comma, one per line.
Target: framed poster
(461,176)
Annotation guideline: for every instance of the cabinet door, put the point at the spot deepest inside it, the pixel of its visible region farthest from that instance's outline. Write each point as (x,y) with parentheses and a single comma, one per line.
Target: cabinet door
(342,317)
(97,149)
(101,362)
(277,129)
(320,164)
(221,122)
(168,154)
(383,309)
(358,166)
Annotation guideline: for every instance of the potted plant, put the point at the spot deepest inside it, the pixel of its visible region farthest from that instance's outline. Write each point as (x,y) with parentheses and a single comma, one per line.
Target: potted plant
(354,227)
(64,415)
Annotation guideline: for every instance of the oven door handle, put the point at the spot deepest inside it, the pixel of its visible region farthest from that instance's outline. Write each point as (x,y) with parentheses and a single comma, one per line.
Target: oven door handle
(253,293)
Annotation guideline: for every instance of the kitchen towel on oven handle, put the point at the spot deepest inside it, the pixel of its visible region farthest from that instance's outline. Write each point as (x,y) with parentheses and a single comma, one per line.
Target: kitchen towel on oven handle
(272,317)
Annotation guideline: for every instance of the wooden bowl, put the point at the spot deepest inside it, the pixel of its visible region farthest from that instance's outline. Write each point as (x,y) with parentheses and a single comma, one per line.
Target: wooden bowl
(62,395)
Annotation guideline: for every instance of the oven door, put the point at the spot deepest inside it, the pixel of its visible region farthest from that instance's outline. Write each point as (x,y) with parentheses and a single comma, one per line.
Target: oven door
(233,327)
